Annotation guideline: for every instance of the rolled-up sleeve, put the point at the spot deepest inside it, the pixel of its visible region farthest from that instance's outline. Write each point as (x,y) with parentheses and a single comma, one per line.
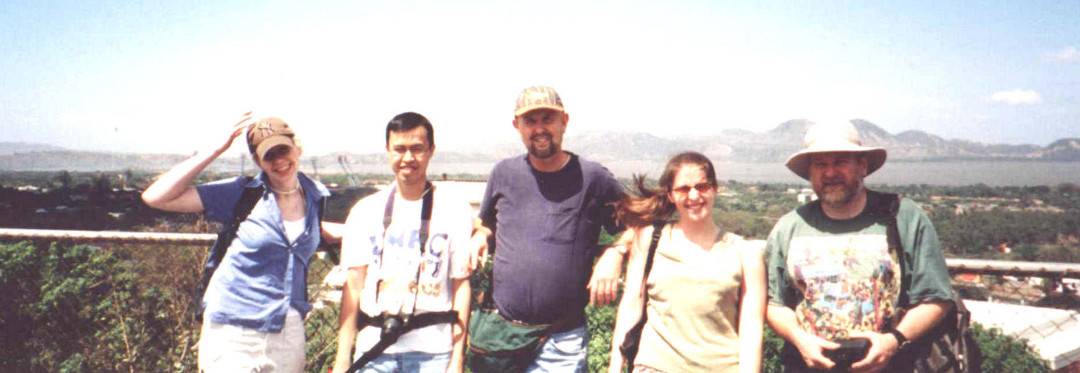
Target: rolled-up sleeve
(219,198)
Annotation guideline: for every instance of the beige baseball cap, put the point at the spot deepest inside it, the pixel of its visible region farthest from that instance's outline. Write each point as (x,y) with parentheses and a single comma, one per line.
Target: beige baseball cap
(266,133)
(538,97)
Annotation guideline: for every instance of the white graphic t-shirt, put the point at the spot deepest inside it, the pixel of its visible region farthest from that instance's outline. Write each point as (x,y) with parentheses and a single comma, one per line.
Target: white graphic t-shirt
(394,261)
(849,282)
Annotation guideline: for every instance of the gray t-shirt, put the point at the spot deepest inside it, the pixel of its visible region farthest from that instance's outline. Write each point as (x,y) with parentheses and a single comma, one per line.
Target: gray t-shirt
(546,226)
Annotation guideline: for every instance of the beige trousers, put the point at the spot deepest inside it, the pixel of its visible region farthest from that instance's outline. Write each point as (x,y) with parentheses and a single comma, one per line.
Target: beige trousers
(230,348)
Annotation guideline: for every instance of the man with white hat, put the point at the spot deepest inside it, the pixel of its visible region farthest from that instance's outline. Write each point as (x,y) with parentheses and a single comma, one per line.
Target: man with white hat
(836,287)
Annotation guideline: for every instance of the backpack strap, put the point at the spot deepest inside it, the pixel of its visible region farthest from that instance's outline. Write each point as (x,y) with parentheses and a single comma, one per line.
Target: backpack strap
(888,207)
(248,198)
(951,337)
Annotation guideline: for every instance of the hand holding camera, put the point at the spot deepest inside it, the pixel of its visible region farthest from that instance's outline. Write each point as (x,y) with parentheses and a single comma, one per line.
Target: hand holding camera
(850,351)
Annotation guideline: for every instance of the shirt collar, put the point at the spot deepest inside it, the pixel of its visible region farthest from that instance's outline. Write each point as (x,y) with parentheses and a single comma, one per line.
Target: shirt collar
(311,188)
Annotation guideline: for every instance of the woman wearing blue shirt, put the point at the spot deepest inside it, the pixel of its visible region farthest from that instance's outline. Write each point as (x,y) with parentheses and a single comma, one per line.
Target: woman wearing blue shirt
(256,300)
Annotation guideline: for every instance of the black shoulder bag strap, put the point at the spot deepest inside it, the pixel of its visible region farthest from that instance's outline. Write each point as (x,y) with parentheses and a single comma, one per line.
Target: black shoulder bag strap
(411,321)
(630,350)
(248,198)
(658,229)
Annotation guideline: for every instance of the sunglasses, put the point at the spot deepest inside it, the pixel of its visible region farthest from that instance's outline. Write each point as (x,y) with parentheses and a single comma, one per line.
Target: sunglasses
(700,187)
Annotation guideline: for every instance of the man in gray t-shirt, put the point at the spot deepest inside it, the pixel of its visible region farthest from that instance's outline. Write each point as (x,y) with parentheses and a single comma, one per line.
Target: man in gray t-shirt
(545,210)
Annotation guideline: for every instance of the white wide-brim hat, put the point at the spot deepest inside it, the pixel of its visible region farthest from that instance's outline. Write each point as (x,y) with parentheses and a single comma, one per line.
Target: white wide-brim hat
(833,138)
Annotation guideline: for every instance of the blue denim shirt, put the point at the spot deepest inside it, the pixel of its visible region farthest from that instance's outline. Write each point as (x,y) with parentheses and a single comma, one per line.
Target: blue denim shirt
(262,274)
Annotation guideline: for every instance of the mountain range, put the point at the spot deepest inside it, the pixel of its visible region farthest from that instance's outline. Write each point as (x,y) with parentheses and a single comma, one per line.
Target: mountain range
(786,138)
(732,145)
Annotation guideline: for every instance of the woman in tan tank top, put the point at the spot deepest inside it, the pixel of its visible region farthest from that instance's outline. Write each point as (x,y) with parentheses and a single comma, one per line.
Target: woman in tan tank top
(705,292)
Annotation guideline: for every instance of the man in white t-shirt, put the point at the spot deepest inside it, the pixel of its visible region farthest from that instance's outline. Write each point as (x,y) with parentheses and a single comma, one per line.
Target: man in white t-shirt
(387,266)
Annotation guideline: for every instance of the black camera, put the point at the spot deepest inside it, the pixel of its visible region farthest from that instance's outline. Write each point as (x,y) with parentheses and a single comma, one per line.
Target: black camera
(850,351)
(392,325)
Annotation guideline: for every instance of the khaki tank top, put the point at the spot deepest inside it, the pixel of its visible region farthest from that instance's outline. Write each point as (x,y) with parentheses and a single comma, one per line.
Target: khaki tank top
(693,302)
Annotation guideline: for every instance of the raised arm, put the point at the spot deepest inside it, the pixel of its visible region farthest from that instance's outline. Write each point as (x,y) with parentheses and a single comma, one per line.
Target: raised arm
(174,190)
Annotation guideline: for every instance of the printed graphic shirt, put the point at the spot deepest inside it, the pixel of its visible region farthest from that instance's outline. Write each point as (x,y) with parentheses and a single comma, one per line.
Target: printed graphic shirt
(393,260)
(839,276)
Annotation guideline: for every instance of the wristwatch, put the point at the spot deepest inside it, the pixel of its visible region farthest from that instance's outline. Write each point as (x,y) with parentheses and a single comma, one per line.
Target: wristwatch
(901,340)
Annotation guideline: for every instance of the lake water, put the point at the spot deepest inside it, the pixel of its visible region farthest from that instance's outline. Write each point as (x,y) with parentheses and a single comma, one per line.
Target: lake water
(993,173)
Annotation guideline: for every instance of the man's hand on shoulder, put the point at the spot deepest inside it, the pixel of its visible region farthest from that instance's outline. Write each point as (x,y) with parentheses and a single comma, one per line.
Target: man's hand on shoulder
(604,284)
(478,245)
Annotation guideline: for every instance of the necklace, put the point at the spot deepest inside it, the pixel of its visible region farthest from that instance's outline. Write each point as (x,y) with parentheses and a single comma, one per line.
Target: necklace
(566,162)
(287,192)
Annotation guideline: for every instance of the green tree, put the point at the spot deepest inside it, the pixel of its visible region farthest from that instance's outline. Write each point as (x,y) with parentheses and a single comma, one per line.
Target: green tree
(80,308)
(64,179)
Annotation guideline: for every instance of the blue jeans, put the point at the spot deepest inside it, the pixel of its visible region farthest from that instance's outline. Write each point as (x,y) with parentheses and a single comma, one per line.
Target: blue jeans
(409,362)
(563,352)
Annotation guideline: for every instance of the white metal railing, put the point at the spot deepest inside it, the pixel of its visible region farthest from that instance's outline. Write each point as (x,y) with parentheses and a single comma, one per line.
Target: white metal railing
(115,237)
(977,266)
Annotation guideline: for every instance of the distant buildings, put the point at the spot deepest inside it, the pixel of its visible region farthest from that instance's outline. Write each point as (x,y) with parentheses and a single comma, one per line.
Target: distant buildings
(803,195)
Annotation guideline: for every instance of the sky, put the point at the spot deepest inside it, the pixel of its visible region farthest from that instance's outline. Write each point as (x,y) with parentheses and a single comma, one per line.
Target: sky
(173,76)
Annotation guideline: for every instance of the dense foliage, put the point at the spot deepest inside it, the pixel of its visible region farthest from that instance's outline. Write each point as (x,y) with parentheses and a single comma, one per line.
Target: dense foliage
(83,309)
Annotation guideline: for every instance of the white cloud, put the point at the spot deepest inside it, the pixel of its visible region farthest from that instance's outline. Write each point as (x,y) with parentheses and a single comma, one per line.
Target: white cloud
(1067,54)
(1017,97)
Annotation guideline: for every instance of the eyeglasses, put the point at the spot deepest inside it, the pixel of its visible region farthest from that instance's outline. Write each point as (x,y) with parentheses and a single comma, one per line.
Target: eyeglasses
(700,187)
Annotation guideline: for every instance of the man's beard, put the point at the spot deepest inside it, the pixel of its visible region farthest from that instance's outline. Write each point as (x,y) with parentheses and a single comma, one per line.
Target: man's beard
(839,196)
(551,150)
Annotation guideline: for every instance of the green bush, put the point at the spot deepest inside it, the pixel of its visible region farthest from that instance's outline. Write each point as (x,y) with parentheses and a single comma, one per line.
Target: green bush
(322,328)
(82,309)
(85,309)
(601,322)
(1003,353)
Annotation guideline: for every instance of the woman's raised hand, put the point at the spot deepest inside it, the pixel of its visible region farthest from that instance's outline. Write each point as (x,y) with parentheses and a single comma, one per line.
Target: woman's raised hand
(237,129)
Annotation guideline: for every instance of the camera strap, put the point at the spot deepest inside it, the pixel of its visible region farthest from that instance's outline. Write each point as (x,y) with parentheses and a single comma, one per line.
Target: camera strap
(404,323)
(425,226)
(408,324)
